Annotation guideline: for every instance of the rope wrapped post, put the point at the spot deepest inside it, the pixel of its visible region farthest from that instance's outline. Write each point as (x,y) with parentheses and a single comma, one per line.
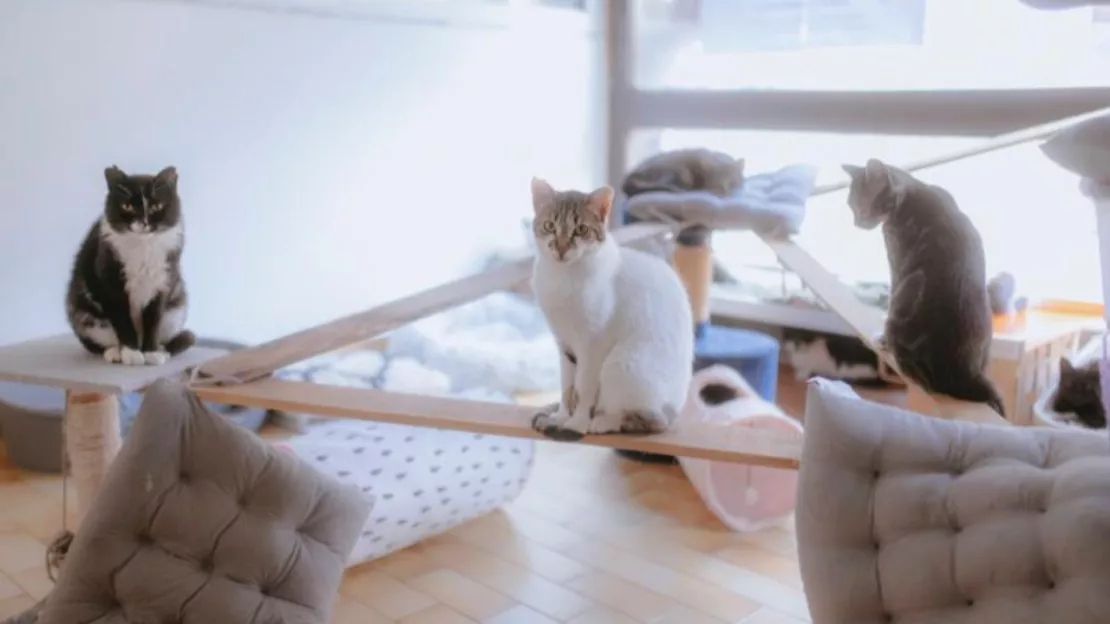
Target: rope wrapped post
(693,261)
(92,435)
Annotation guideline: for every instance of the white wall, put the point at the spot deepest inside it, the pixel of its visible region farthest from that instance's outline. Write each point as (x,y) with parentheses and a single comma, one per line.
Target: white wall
(326,164)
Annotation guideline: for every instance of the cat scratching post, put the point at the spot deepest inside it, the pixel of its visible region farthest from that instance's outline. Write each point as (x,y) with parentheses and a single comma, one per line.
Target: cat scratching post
(1099,193)
(693,261)
(92,433)
(92,388)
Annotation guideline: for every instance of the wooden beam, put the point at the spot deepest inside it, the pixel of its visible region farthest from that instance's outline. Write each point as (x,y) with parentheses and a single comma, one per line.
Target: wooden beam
(723,443)
(259,361)
(932,112)
(865,320)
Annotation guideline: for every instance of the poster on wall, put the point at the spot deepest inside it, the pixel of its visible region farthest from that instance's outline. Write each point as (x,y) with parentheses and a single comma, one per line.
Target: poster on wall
(736,26)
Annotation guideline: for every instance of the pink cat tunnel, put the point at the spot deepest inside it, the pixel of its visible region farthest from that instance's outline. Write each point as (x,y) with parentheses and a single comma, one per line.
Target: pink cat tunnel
(744,498)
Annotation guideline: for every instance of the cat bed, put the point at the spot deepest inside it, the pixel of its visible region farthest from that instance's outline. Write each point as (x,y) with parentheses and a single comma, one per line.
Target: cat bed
(200,521)
(744,498)
(424,481)
(906,518)
(500,342)
(31,418)
(768,203)
(1043,414)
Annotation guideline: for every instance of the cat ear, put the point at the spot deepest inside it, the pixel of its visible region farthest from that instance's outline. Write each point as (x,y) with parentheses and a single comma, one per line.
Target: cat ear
(601,202)
(114,176)
(1066,367)
(167,176)
(854,171)
(879,175)
(542,194)
(876,170)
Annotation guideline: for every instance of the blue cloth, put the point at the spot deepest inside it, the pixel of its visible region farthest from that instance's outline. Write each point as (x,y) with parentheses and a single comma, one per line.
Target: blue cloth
(769,203)
(753,354)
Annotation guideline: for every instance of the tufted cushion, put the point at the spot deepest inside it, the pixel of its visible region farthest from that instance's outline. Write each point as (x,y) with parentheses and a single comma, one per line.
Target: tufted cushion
(200,521)
(909,519)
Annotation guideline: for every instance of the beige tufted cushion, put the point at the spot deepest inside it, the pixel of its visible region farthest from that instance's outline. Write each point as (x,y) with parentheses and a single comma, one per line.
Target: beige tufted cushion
(909,519)
(201,522)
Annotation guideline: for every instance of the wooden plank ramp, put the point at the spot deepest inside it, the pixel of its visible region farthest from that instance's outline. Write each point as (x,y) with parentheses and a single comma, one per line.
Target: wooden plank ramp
(733,444)
(261,360)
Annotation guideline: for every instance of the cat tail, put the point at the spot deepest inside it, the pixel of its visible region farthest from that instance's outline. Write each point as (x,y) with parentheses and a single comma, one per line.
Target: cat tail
(978,388)
(181,342)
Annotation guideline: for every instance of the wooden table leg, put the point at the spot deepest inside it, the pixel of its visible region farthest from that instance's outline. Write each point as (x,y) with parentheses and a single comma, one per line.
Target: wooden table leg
(92,441)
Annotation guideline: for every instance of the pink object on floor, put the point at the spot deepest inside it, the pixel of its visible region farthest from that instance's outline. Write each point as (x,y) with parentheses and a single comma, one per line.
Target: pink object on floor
(745,498)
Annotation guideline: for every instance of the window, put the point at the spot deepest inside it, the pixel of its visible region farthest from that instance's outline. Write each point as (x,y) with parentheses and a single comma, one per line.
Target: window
(832,81)
(1030,213)
(867,45)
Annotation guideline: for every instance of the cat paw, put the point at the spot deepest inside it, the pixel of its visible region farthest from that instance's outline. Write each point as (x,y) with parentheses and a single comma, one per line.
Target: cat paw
(579,422)
(156,358)
(551,425)
(112,355)
(131,357)
(550,416)
(605,422)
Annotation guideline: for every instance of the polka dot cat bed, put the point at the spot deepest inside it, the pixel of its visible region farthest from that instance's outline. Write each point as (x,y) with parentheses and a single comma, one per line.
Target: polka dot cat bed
(424,481)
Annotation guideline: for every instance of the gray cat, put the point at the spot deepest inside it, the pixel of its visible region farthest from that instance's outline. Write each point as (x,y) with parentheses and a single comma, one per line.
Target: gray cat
(684,170)
(939,326)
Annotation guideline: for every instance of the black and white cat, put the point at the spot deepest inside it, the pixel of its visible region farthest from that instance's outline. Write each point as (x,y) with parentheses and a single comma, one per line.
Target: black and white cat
(833,356)
(126,300)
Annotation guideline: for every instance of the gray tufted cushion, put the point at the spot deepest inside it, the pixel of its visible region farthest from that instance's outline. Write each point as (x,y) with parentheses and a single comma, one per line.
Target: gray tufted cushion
(914,520)
(201,522)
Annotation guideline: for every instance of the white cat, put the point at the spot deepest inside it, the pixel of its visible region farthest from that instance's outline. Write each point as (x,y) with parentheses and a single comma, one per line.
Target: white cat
(621,317)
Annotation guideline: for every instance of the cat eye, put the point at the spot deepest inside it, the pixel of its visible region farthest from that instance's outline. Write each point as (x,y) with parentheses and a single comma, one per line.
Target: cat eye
(127,208)
(581,230)
(156,206)
(548,227)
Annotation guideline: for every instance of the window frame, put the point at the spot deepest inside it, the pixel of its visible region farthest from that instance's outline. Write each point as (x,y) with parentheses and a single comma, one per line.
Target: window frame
(630,109)
(982,113)
(475,15)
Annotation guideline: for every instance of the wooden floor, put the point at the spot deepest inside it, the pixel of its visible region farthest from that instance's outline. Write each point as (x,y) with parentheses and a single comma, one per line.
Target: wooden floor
(593,539)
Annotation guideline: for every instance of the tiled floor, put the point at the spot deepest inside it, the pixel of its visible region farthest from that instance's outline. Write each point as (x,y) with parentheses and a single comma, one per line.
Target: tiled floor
(594,539)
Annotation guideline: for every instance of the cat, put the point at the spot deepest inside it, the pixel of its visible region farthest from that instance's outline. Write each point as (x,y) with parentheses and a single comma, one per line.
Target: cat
(831,356)
(1079,392)
(684,170)
(939,325)
(620,316)
(126,299)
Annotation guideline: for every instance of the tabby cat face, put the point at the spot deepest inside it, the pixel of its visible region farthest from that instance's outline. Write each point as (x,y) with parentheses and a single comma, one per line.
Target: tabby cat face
(569,225)
(873,193)
(142,204)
